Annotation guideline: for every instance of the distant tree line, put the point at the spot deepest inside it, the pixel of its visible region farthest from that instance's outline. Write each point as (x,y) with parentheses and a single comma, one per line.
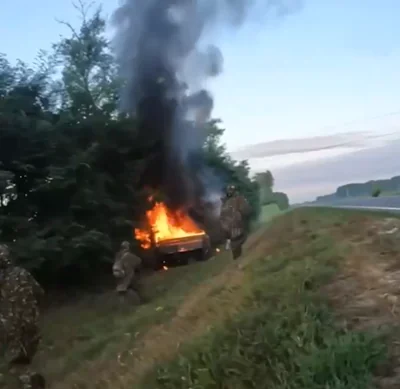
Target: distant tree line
(373,188)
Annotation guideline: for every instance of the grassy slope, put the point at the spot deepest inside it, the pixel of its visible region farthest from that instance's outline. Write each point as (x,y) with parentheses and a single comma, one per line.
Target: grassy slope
(261,322)
(99,328)
(285,336)
(268,212)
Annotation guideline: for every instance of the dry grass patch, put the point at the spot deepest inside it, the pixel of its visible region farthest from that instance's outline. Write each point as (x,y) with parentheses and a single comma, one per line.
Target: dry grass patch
(366,293)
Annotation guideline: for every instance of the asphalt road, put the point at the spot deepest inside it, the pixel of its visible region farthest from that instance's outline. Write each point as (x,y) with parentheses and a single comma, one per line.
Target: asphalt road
(389,203)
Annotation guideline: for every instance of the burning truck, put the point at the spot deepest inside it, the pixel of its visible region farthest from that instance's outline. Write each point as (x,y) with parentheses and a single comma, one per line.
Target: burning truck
(172,237)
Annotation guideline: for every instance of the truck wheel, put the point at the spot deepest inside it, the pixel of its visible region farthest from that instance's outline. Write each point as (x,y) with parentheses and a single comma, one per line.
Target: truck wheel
(204,255)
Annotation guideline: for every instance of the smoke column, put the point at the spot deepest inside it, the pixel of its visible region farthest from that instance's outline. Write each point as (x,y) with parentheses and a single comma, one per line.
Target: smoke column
(158,44)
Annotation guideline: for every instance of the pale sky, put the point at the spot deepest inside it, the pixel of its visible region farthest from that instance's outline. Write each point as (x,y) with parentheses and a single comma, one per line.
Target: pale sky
(331,67)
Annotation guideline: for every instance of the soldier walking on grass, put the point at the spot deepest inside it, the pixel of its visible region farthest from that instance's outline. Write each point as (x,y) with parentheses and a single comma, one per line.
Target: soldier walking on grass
(234,213)
(125,270)
(20,297)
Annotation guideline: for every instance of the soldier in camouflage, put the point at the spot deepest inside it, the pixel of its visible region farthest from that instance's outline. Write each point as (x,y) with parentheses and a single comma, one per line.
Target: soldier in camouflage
(125,270)
(20,296)
(234,213)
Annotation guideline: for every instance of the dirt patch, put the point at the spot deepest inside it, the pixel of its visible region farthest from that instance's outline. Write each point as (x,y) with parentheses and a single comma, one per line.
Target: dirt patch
(385,236)
(366,293)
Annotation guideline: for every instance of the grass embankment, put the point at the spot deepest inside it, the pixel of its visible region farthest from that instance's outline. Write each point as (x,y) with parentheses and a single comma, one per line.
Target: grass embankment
(98,329)
(285,335)
(293,313)
(269,212)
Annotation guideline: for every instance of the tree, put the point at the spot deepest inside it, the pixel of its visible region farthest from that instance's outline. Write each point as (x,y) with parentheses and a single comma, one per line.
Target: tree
(281,200)
(376,192)
(89,74)
(265,179)
(68,171)
(266,182)
(25,122)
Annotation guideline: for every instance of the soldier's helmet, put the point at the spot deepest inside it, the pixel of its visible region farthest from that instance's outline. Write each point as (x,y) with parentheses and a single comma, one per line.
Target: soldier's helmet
(230,190)
(125,245)
(5,259)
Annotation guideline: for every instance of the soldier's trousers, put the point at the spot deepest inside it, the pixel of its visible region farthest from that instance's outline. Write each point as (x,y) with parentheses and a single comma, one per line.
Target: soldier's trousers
(135,287)
(237,244)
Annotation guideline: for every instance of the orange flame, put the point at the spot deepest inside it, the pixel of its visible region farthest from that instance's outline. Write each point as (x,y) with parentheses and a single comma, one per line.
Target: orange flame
(165,225)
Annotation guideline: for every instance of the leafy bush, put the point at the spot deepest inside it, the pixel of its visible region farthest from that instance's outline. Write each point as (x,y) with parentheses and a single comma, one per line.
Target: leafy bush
(376,192)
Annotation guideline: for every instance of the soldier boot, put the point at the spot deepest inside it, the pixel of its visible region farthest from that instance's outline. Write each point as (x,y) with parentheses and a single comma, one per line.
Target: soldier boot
(237,252)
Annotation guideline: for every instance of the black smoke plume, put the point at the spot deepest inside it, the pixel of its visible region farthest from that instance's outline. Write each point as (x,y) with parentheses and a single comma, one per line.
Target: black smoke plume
(161,57)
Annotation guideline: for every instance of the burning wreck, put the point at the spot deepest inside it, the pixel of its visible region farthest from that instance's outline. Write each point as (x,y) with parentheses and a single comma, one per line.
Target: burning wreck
(166,58)
(172,237)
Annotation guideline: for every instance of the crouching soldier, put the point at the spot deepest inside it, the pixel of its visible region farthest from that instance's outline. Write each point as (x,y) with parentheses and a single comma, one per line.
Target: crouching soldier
(20,297)
(125,270)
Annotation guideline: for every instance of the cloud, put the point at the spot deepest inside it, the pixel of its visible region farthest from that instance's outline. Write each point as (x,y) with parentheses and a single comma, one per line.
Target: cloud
(303,145)
(304,173)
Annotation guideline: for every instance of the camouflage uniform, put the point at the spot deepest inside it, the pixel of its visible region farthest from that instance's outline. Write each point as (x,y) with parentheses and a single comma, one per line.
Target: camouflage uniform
(125,268)
(234,212)
(20,296)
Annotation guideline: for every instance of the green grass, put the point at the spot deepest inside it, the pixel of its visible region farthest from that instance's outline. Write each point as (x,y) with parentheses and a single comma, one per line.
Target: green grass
(390,193)
(341,214)
(286,338)
(96,326)
(268,212)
